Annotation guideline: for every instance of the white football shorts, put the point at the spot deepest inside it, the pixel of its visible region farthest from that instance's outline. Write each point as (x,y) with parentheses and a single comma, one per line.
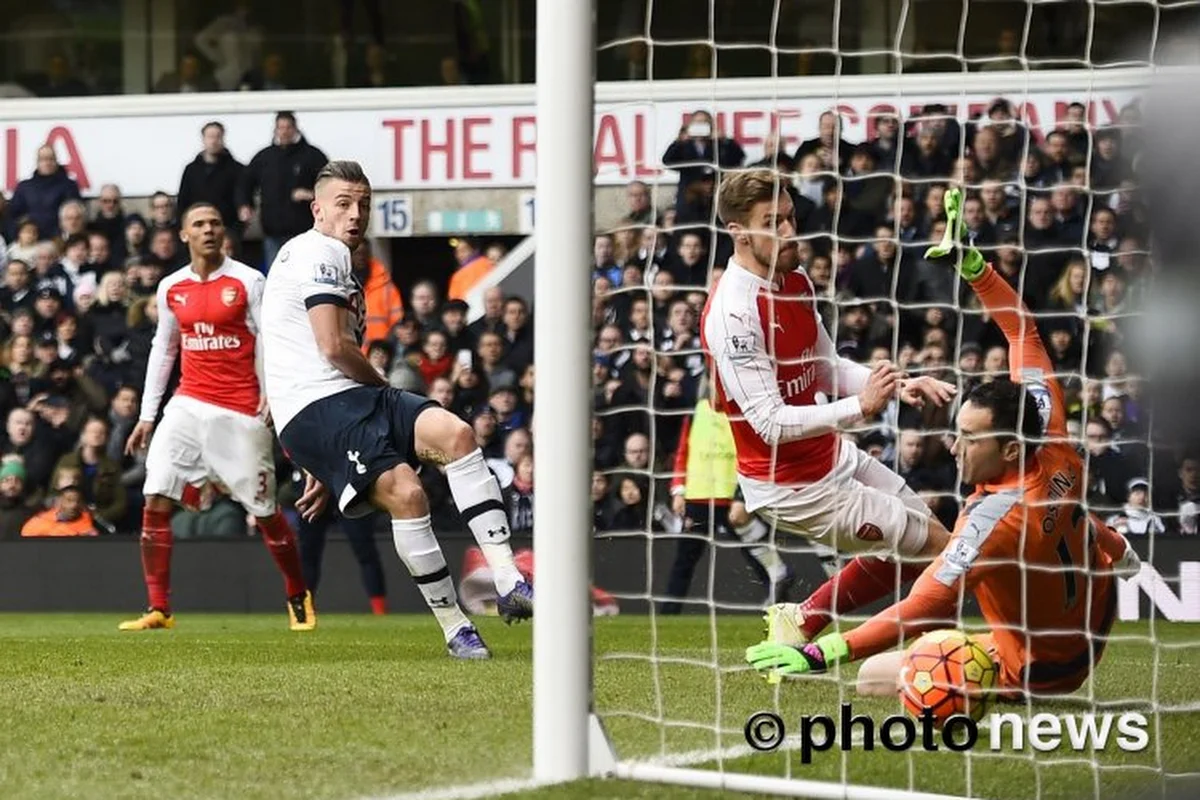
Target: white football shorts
(860,506)
(197,443)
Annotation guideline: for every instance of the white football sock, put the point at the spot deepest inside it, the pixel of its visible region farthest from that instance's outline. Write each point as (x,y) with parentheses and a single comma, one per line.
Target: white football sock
(418,548)
(477,496)
(755,532)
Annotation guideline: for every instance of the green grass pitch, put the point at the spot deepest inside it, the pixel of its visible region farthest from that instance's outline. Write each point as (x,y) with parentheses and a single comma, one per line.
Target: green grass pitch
(237,706)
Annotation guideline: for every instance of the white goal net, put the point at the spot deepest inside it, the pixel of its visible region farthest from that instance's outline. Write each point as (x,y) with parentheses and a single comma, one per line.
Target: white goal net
(870,111)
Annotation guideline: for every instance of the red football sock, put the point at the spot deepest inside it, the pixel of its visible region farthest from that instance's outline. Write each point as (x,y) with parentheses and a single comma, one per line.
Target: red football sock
(281,541)
(379,605)
(861,582)
(156,544)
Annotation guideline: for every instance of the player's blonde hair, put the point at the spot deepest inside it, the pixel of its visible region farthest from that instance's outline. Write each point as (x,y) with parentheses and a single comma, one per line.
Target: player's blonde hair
(744,189)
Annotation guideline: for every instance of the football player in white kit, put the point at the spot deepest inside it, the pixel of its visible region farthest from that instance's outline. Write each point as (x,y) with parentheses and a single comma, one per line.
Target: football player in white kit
(356,436)
(776,372)
(214,428)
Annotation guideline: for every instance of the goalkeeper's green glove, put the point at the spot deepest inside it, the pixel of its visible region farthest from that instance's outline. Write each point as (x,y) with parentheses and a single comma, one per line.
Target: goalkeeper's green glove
(784,659)
(972,264)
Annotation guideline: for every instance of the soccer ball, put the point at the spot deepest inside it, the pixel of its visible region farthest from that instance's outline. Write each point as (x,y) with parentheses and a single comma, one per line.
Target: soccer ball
(949,673)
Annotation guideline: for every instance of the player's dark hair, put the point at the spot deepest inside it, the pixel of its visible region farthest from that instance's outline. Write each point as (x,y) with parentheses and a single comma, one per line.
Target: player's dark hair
(349,171)
(213,124)
(198,205)
(1012,407)
(288,115)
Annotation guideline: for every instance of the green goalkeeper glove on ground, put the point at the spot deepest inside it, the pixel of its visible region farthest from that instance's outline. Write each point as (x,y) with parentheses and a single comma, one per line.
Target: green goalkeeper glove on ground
(784,659)
(972,263)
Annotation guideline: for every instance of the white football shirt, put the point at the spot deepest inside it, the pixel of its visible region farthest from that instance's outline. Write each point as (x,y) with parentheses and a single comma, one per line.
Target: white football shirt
(311,269)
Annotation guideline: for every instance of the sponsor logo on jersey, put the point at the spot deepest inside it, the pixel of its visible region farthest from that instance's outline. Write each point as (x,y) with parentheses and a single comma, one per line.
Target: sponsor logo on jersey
(205,338)
(229,295)
(869,532)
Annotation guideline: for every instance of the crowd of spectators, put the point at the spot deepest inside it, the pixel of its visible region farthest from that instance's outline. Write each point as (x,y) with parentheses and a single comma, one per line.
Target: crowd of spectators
(1057,213)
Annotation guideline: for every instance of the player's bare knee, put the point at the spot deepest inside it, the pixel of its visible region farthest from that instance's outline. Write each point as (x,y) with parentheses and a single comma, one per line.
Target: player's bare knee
(738,516)
(460,440)
(400,492)
(445,434)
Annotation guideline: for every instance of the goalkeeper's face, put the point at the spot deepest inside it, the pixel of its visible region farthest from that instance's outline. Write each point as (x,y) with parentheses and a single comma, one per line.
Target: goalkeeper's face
(772,232)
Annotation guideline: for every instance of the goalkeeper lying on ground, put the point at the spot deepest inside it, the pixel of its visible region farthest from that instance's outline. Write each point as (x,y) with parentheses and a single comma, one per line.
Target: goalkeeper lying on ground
(1041,567)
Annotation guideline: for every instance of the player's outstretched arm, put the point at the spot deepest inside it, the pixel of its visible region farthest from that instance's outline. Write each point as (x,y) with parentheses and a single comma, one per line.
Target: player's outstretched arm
(163,351)
(1029,362)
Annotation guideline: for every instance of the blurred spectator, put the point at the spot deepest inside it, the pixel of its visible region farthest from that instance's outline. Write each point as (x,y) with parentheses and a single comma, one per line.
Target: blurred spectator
(1107,170)
(454,325)
(163,213)
(518,496)
(17,291)
(885,142)
(473,266)
(1188,500)
(384,303)
(213,177)
(699,150)
(639,205)
(135,236)
(232,43)
(604,263)
(72,220)
(472,49)
(923,155)
(829,146)
(268,76)
(1136,518)
(491,352)
(283,175)
(100,476)
(518,443)
(38,444)
(165,250)
(24,247)
(16,506)
(188,77)
(493,313)
(110,222)
(67,516)
(518,334)
(424,302)
(434,361)
(40,195)
(99,257)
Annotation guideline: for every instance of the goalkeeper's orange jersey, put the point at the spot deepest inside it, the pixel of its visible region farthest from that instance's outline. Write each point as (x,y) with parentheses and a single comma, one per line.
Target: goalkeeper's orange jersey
(1026,547)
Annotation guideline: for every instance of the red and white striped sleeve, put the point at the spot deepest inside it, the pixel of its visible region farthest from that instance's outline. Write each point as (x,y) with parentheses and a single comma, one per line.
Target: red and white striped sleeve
(737,345)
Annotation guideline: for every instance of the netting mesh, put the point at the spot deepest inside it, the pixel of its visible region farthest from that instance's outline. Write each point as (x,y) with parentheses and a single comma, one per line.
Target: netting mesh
(1041,128)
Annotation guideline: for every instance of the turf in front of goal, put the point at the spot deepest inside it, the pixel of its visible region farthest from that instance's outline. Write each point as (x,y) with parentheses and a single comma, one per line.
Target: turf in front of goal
(228,706)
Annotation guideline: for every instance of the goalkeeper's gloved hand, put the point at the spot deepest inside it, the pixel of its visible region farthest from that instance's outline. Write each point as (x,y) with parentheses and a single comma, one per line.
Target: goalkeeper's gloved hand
(784,659)
(972,264)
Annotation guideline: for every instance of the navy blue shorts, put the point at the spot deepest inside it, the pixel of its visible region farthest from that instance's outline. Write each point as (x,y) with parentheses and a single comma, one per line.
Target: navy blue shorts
(349,439)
